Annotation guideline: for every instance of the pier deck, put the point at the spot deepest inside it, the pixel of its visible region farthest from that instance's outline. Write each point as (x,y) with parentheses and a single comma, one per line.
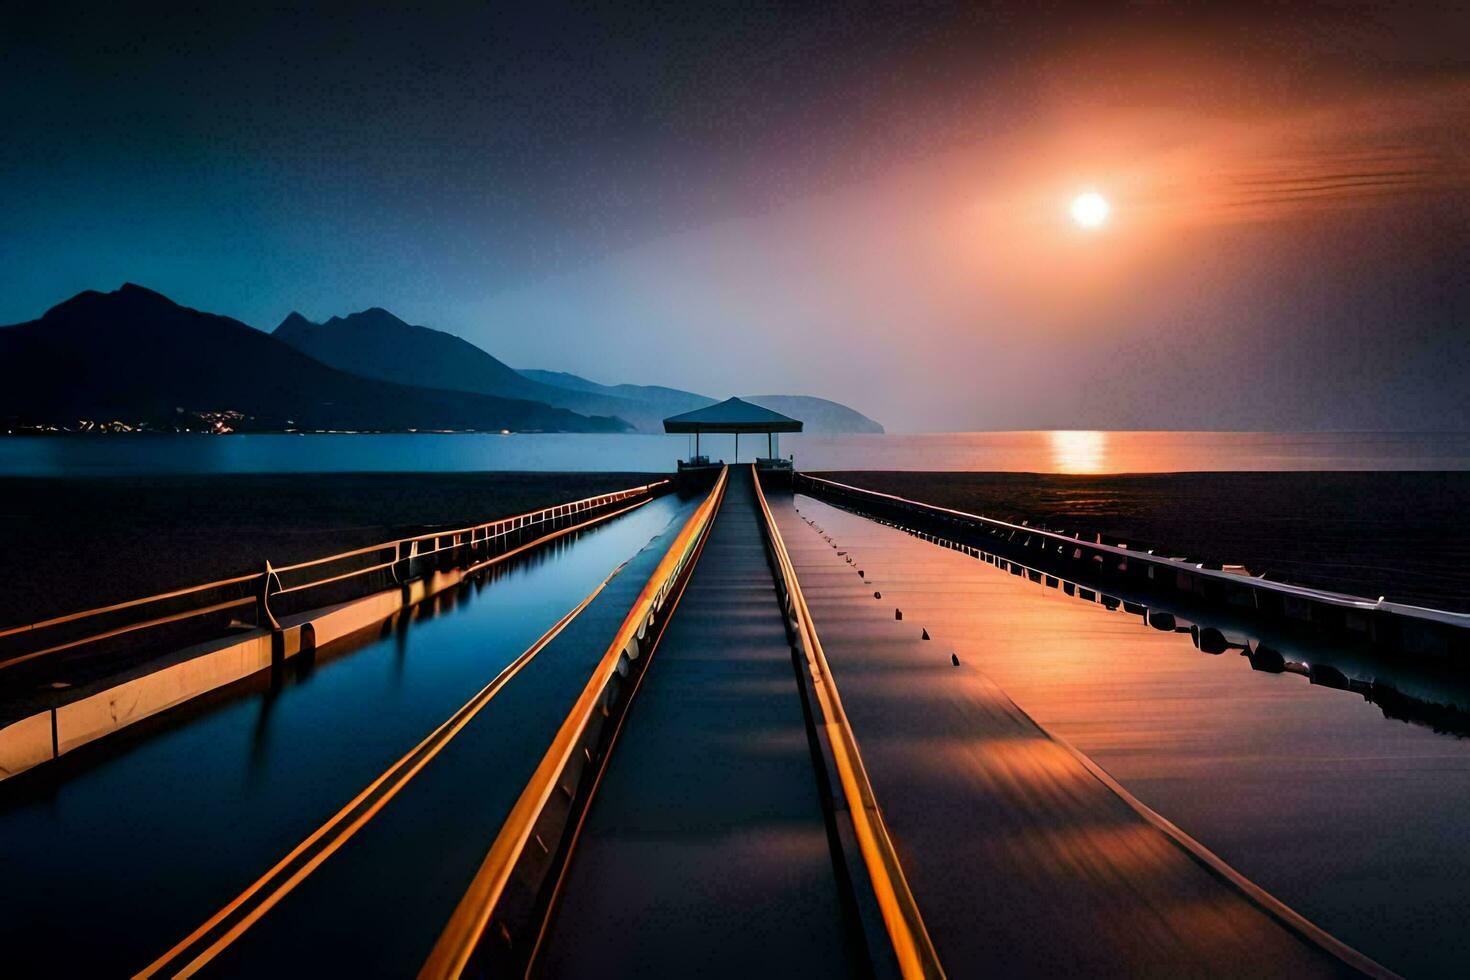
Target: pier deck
(1023,861)
(705,851)
(707,804)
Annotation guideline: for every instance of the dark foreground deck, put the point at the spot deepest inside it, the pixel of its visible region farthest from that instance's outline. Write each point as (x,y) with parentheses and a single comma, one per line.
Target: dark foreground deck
(665,782)
(705,851)
(1024,859)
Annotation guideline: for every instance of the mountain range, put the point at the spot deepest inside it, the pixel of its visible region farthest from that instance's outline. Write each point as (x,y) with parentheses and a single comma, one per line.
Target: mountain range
(820,415)
(372,343)
(136,358)
(377,344)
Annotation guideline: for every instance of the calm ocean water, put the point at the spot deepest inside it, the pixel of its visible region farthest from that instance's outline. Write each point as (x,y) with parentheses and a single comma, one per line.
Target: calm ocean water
(1039,452)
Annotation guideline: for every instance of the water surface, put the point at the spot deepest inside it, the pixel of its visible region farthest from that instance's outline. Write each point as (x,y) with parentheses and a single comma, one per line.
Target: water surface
(1037,452)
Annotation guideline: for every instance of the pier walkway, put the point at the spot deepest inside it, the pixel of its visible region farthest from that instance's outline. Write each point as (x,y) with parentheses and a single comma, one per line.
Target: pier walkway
(731,757)
(705,851)
(1026,860)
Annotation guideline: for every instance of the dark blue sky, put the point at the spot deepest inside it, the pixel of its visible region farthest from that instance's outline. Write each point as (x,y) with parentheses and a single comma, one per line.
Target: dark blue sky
(748,198)
(258,152)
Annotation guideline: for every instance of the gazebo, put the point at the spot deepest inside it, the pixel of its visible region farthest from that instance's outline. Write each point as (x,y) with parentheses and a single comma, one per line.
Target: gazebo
(733,416)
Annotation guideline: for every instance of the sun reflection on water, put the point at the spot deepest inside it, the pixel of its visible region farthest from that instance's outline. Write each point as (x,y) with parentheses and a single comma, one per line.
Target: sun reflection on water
(1078,451)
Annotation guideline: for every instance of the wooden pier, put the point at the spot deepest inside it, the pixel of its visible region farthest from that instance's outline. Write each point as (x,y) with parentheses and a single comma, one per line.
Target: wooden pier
(735,756)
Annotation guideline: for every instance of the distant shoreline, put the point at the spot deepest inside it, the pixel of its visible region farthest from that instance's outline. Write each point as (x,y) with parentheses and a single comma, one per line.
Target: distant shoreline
(67,433)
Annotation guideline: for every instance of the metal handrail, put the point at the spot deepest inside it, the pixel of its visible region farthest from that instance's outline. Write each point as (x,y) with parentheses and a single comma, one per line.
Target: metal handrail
(196,950)
(259,587)
(466,928)
(1269,904)
(132,628)
(901,917)
(1456,623)
(116,606)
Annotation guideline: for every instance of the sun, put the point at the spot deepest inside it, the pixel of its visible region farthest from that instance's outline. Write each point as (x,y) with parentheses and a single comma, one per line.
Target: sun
(1090,209)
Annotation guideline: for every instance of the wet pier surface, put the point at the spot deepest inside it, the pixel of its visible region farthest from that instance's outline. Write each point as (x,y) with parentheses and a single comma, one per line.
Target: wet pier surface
(332,821)
(1023,861)
(137,841)
(1353,819)
(705,851)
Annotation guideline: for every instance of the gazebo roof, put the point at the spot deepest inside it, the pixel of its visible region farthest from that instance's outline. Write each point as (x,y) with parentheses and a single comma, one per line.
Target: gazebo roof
(732,415)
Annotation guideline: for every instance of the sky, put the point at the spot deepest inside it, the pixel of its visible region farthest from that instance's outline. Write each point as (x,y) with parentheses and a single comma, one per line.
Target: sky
(866,203)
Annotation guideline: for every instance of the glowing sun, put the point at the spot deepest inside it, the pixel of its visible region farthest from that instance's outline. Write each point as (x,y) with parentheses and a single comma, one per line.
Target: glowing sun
(1090,210)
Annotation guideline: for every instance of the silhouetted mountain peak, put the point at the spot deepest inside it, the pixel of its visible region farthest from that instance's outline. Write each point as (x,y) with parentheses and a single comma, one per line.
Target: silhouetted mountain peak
(374,317)
(131,296)
(134,290)
(292,325)
(130,305)
(374,320)
(377,344)
(86,299)
(136,355)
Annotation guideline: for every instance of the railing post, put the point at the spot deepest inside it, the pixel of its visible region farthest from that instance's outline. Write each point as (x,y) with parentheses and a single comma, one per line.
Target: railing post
(397,560)
(263,614)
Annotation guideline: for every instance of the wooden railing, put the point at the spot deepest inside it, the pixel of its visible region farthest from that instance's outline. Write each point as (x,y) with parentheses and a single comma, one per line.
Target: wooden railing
(1415,630)
(908,937)
(496,927)
(257,600)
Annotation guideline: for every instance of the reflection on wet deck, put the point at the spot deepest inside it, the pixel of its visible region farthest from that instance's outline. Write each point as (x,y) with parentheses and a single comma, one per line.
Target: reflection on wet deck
(1348,817)
(189,807)
(1022,860)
